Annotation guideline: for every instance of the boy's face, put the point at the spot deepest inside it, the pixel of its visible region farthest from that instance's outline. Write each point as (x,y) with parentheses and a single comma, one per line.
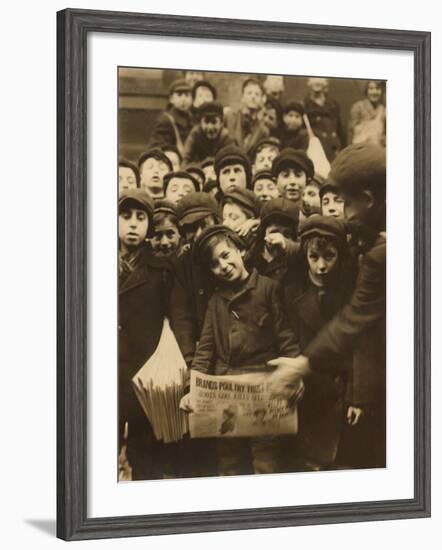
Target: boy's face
(126,178)
(178,188)
(293,120)
(166,238)
(211,126)
(209,172)
(174,159)
(192,230)
(227,263)
(270,118)
(311,202)
(133,224)
(233,216)
(252,97)
(231,176)
(322,263)
(374,92)
(152,172)
(181,100)
(333,205)
(202,95)
(264,158)
(265,189)
(291,181)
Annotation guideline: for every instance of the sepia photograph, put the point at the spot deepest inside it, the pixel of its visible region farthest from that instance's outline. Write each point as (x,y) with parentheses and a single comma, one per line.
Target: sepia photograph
(251,274)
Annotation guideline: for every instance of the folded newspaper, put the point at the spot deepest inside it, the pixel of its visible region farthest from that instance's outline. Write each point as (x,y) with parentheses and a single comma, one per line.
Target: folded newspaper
(159,386)
(237,406)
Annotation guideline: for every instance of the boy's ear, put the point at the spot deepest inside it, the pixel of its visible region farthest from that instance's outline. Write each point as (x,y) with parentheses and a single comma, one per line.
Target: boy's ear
(369,198)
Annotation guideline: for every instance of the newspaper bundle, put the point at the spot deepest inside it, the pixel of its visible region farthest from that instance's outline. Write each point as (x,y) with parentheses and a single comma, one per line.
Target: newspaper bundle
(237,406)
(159,386)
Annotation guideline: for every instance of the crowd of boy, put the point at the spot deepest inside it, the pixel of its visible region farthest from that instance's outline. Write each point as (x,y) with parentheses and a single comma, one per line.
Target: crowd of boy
(258,263)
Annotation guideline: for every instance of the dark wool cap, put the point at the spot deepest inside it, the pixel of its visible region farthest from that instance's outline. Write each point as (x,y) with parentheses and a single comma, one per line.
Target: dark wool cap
(195,207)
(211,108)
(157,154)
(207,161)
(137,198)
(294,106)
(360,166)
(323,226)
(162,206)
(208,233)
(179,85)
(293,157)
(204,84)
(183,175)
(262,175)
(232,154)
(277,210)
(244,198)
(328,187)
(266,142)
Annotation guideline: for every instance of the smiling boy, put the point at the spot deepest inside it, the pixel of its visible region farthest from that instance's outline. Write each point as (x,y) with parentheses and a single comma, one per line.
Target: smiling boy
(292,170)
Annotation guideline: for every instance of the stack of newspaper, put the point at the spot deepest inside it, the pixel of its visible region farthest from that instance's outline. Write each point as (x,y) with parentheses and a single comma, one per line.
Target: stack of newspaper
(159,386)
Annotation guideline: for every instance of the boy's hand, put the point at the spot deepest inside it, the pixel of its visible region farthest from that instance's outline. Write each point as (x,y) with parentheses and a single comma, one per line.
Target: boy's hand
(249,226)
(276,241)
(353,415)
(185,403)
(285,380)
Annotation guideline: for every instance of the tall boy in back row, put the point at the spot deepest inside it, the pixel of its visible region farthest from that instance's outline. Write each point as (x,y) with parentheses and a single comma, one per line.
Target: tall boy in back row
(360,326)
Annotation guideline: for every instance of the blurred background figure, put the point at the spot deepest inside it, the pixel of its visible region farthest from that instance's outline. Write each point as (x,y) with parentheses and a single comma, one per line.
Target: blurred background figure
(367,116)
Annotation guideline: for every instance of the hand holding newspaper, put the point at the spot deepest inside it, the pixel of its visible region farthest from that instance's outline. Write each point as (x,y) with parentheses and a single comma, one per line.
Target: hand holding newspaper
(237,406)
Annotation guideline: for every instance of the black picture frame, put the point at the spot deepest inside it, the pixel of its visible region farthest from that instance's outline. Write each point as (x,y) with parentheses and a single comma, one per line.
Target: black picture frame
(73,27)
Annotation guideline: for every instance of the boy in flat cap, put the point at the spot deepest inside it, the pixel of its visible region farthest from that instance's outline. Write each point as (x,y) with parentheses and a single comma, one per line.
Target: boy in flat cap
(166,238)
(232,168)
(240,212)
(332,203)
(153,166)
(179,184)
(128,175)
(264,154)
(245,126)
(322,287)
(359,326)
(275,251)
(294,133)
(245,325)
(144,288)
(208,135)
(174,125)
(292,170)
(264,186)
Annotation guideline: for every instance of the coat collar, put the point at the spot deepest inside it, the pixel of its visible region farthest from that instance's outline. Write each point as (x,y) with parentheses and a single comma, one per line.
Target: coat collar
(307,307)
(230,295)
(143,271)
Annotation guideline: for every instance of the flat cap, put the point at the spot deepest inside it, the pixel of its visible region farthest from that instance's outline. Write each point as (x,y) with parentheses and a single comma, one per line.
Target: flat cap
(293,157)
(137,198)
(179,85)
(182,175)
(245,198)
(232,154)
(210,232)
(323,226)
(279,209)
(195,207)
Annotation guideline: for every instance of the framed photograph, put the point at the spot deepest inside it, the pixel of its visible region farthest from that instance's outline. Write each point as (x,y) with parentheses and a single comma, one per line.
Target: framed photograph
(238,348)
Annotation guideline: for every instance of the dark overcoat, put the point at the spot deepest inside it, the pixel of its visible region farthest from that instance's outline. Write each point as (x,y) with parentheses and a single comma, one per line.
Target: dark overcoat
(163,133)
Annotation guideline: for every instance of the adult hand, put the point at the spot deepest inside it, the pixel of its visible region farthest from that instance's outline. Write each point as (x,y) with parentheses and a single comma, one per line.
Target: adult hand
(289,371)
(185,403)
(276,241)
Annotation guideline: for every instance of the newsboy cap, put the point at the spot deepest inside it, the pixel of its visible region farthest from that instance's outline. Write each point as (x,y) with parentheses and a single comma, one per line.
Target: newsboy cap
(262,175)
(277,210)
(294,106)
(182,175)
(323,226)
(244,198)
(360,166)
(265,142)
(204,84)
(232,154)
(212,231)
(293,157)
(179,85)
(137,198)
(211,108)
(157,154)
(163,206)
(195,207)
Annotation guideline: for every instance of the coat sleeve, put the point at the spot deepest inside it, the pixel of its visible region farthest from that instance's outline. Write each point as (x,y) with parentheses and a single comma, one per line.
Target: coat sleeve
(163,133)
(366,308)
(288,345)
(189,146)
(181,314)
(204,359)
